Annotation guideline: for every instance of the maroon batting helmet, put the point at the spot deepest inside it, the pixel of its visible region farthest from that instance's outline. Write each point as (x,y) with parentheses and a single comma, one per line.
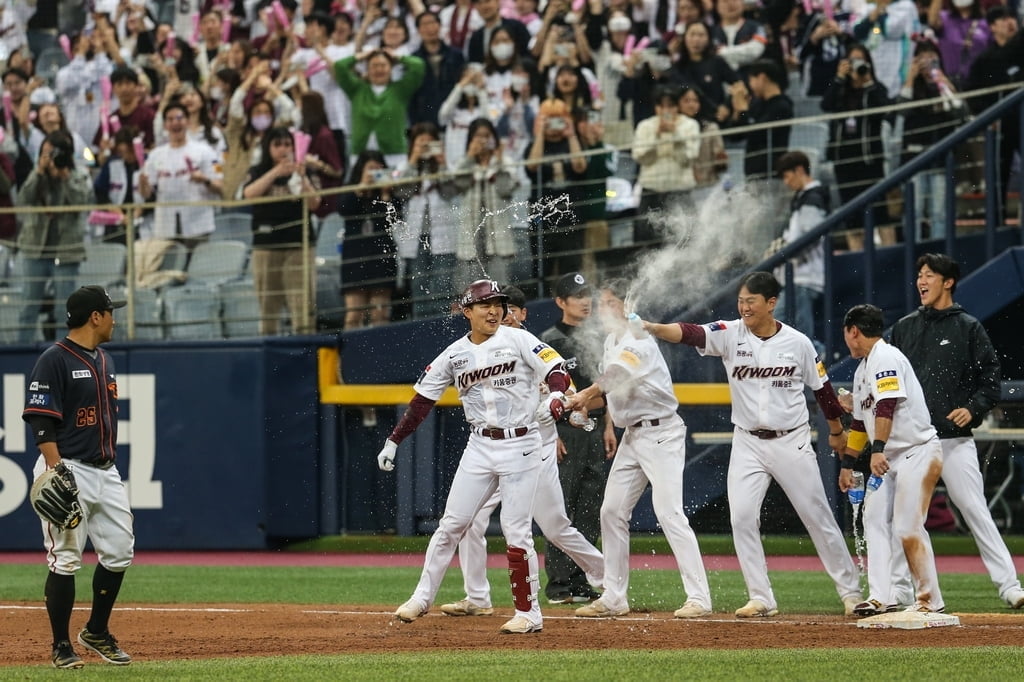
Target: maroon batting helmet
(480,291)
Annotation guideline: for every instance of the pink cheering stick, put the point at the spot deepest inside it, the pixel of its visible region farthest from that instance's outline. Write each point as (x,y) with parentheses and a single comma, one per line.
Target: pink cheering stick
(65,44)
(827,6)
(808,7)
(627,49)
(115,124)
(170,45)
(315,66)
(642,43)
(577,5)
(195,28)
(140,151)
(105,120)
(279,15)
(8,107)
(105,90)
(301,141)
(105,218)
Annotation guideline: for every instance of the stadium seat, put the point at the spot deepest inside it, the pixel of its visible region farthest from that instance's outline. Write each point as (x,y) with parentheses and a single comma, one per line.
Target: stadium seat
(241,310)
(806,105)
(810,134)
(192,311)
(233,225)
(103,265)
(10,311)
(149,325)
(216,262)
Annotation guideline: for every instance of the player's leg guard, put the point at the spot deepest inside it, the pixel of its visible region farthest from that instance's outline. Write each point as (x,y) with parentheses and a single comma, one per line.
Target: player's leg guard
(524,584)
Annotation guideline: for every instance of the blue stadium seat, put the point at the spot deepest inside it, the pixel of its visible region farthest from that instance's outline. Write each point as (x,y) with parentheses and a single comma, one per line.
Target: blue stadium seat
(216,262)
(148,308)
(241,310)
(192,311)
(103,265)
(233,225)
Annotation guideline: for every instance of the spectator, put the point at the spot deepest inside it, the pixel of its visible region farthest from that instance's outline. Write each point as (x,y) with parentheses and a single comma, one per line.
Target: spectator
(281,268)
(479,45)
(560,243)
(962,33)
(886,31)
(426,239)
(324,163)
(343,31)
(486,181)
(712,159)
(210,48)
(379,105)
(117,184)
(445,66)
(589,194)
(809,206)
(17,126)
(609,64)
(762,100)
(666,146)
(570,86)
(467,102)
(50,118)
(458,22)
(179,61)
(700,68)
(201,126)
(855,142)
(525,11)
(923,126)
(645,71)
(218,91)
(822,45)
(1001,63)
(502,58)
(8,221)
(319,49)
(368,267)
(78,84)
(182,170)
(738,40)
(515,125)
(51,246)
(130,109)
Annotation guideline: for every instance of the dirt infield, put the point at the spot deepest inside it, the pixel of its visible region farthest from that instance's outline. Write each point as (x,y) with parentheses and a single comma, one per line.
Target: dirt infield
(194,631)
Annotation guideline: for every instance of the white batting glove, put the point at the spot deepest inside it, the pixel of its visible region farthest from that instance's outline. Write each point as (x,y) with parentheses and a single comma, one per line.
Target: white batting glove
(551,408)
(386,458)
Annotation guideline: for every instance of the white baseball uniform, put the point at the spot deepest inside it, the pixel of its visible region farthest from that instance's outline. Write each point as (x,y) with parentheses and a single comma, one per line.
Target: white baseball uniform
(548,512)
(652,450)
(497,383)
(772,439)
(915,463)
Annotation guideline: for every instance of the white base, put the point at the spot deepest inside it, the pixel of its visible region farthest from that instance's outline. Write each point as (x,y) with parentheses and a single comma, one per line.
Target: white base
(909,620)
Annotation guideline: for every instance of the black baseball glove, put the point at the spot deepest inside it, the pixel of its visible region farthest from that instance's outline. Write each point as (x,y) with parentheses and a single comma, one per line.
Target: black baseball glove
(54,497)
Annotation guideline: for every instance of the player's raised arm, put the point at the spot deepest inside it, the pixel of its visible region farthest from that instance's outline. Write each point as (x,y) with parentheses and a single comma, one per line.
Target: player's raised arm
(677,332)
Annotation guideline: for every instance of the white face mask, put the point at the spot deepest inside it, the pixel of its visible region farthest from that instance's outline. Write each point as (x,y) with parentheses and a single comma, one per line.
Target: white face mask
(619,23)
(502,51)
(261,122)
(519,82)
(962,4)
(216,92)
(660,63)
(469,90)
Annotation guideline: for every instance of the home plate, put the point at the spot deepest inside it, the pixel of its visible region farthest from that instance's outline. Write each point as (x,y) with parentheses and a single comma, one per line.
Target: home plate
(909,620)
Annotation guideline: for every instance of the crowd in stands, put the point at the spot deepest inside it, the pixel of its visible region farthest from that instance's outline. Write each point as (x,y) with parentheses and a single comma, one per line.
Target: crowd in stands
(445,119)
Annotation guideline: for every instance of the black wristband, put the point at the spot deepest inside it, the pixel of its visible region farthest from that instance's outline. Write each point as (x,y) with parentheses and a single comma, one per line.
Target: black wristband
(877,446)
(837,433)
(847,462)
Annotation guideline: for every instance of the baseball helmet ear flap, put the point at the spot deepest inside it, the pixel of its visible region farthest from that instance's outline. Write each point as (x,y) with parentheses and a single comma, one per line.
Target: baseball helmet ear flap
(483,290)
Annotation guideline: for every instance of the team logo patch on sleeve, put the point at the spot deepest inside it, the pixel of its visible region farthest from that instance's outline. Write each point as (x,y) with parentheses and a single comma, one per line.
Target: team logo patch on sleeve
(716,326)
(821,369)
(887,381)
(545,352)
(630,358)
(39,399)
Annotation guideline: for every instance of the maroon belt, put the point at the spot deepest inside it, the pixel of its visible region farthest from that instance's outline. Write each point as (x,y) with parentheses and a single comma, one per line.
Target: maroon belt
(502,434)
(768,434)
(647,422)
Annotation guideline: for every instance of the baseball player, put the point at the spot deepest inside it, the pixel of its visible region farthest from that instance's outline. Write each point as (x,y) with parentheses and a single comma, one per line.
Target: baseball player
(548,512)
(637,388)
(959,372)
(71,407)
(496,370)
(889,410)
(769,365)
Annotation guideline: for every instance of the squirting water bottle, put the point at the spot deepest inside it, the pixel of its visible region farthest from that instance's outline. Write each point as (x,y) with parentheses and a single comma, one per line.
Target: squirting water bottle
(636,326)
(856,490)
(872,485)
(581,421)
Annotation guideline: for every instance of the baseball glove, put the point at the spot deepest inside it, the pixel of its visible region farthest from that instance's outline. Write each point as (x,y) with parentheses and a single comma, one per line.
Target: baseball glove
(54,497)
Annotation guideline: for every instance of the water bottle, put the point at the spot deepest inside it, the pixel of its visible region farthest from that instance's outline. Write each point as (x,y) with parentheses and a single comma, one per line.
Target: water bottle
(636,326)
(856,491)
(872,485)
(579,420)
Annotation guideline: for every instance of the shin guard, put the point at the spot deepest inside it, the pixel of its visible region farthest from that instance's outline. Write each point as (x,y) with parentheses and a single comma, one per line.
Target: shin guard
(520,578)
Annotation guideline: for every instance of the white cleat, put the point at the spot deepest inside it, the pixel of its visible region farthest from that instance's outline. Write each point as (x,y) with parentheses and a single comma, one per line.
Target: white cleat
(521,625)
(410,610)
(755,608)
(692,609)
(1015,598)
(464,607)
(598,609)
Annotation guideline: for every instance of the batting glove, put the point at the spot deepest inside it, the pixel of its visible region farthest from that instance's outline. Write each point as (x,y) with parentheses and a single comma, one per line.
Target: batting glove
(386,458)
(551,408)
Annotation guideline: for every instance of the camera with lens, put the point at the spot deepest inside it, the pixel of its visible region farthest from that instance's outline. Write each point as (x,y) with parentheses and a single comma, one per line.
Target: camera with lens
(62,150)
(860,67)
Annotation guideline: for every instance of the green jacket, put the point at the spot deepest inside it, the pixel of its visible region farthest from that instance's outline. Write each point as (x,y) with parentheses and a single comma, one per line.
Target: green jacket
(68,239)
(384,114)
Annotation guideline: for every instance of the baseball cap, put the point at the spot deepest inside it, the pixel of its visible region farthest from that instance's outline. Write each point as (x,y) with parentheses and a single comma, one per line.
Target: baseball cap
(515,295)
(86,301)
(571,284)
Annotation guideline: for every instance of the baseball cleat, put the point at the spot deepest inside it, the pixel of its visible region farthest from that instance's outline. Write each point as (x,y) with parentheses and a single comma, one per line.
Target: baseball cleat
(1015,598)
(520,625)
(64,656)
(598,609)
(464,607)
(755,608)
(410,610)
(561,598)
(584,596)
(692,609)
(850,605)
(873,607)
(921,607)
(105,645)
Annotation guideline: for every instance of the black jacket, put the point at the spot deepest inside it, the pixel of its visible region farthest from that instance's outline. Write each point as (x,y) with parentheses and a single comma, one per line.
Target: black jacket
(443,71)
(955,362)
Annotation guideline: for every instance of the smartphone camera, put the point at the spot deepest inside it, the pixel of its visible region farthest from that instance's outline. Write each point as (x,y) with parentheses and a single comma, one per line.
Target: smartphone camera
(380,175)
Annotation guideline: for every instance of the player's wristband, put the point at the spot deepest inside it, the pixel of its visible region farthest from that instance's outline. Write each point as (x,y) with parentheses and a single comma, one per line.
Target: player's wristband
(847,462)
(837,433)
(877,446)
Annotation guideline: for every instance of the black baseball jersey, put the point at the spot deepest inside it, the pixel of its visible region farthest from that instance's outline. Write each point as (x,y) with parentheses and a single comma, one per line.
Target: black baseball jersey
(77,387)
